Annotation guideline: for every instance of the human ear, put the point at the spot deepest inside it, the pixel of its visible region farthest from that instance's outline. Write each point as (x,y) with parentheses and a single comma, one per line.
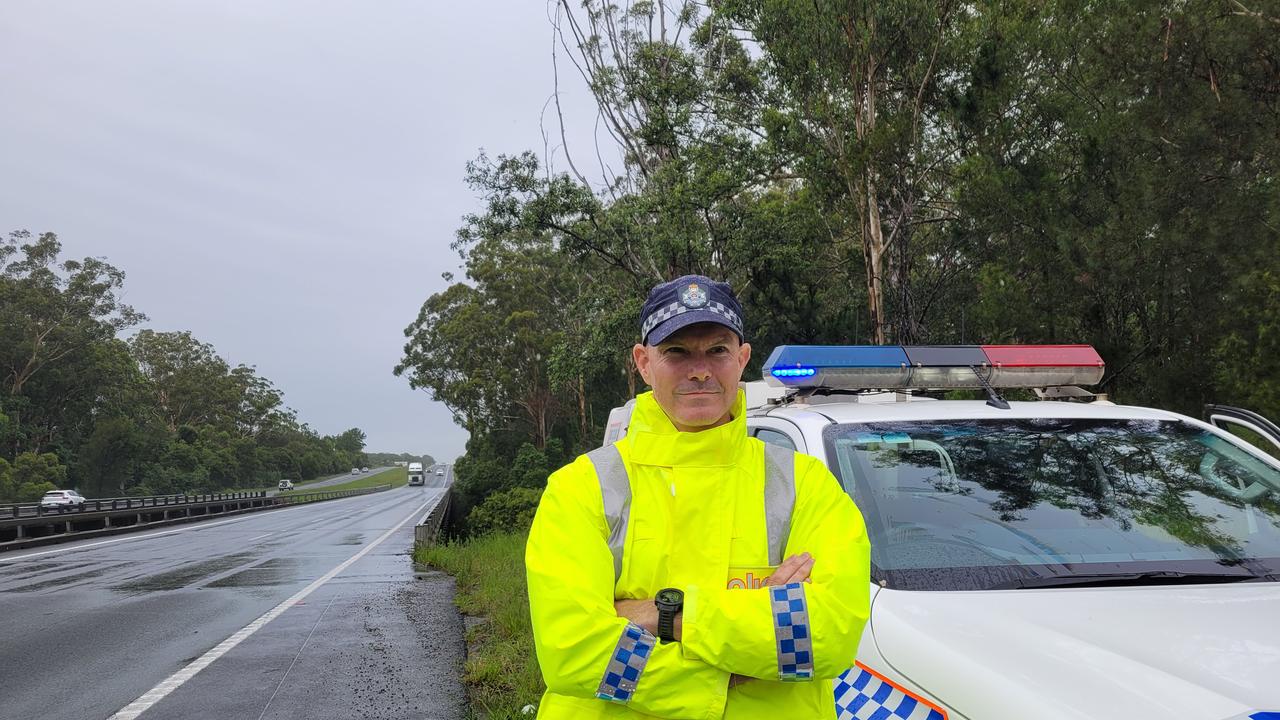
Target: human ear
(640,356)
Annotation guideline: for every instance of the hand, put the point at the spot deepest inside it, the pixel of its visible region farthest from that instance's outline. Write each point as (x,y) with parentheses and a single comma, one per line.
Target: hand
(645,614)
(792,570)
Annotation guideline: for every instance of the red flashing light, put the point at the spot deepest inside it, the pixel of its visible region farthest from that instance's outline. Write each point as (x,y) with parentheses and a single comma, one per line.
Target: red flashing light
(1043,356)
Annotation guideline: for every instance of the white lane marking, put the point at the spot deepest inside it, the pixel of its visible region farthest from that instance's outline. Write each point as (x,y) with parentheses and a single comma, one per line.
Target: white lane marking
(260,537)
(174,681)
(193,526)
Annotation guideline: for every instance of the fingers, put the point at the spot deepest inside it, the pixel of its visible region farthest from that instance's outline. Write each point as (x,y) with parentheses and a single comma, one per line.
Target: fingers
(792,570)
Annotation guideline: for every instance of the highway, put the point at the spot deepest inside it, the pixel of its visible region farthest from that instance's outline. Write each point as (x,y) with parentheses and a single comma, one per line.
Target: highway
(312,611)
(331,481)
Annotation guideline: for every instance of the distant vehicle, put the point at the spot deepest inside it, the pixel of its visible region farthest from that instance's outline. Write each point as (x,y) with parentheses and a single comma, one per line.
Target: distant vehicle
(415,474)
(285,485)
(355,471)
(439,471)
(61,500)
(364,469)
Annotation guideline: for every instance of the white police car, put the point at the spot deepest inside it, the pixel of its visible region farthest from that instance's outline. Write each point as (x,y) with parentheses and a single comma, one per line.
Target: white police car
(1042,559)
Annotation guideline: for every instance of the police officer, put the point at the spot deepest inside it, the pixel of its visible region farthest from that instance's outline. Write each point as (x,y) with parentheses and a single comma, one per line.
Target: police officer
(688,570)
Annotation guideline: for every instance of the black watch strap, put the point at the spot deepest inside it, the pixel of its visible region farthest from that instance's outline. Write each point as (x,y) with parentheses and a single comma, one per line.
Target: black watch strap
(666,625)
(669,601)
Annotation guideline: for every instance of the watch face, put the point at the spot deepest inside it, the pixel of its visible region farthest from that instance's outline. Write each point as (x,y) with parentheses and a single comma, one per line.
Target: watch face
(669,596)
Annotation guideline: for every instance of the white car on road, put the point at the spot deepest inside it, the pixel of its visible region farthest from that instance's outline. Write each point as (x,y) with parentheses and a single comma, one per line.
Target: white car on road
(61,500)
(1042,559)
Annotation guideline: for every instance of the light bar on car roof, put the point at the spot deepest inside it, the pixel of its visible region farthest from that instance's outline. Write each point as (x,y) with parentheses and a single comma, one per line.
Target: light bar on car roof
(891,367)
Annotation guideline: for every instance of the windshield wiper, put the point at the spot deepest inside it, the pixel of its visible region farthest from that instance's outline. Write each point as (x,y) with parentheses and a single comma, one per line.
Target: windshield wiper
(1137,579)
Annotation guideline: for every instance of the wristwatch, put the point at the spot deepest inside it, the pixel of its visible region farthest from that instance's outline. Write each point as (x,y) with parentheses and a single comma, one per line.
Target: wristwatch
(669,601)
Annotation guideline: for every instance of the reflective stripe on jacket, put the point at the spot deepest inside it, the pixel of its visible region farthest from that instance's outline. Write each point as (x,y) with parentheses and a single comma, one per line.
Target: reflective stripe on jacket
(695,519)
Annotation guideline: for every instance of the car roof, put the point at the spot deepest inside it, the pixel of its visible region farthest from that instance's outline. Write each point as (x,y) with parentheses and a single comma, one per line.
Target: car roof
(918,409)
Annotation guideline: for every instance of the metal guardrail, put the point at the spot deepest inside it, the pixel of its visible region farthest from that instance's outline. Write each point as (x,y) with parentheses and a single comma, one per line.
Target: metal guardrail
(428,530)
(293,499)
(125,503)
(52,527)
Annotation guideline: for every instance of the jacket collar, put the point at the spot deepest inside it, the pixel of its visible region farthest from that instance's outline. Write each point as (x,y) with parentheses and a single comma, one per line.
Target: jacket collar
(655,441)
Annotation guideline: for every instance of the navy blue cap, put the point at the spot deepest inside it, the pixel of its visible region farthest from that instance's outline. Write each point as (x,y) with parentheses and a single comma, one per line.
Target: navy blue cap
(687,300)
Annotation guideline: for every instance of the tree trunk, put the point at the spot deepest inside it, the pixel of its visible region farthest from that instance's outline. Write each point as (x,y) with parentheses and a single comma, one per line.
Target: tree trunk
(874,239)
(630,371)
(582,409)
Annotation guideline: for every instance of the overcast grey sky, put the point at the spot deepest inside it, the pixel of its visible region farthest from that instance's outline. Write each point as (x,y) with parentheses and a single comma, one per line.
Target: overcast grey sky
(283,179)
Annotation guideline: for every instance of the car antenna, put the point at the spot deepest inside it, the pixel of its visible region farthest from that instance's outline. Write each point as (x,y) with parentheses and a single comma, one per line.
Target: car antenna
(993,397)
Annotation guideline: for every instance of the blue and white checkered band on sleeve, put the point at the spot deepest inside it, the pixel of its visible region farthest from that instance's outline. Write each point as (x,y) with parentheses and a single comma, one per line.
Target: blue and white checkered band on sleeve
(791,628)
(863,696)
(667,312)
(627,664)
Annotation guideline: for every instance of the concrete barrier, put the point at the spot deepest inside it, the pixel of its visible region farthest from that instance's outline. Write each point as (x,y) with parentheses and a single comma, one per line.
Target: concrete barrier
(427,531)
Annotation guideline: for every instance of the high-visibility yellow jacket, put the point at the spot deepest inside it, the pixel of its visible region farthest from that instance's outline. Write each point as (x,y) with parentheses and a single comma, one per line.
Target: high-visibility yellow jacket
(696,521)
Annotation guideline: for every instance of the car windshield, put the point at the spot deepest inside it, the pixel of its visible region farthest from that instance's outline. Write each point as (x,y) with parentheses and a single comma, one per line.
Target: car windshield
(977,504)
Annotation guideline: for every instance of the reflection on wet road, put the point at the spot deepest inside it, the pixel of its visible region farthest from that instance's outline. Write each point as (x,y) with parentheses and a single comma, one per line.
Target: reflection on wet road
(124,616)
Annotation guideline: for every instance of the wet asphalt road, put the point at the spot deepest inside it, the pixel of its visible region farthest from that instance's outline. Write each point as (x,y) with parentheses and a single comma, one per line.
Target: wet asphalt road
(87,628)
(334,480)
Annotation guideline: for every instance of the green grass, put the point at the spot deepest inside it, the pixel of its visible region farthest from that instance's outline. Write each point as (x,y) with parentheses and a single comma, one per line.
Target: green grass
(501,672)
(395,477)
(301,485)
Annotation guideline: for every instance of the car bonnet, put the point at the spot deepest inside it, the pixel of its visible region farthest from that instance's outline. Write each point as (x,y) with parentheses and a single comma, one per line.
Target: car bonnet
(1210,652)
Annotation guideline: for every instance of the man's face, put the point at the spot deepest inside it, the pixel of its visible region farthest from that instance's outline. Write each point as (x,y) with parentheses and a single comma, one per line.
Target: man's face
(694,374)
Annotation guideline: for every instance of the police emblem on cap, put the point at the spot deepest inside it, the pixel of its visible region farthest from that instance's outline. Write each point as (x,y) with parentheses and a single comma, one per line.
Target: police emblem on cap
(693,296)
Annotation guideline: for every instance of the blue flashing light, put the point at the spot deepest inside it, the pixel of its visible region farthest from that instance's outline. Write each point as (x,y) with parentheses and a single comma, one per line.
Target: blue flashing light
(837,366)
(794,372)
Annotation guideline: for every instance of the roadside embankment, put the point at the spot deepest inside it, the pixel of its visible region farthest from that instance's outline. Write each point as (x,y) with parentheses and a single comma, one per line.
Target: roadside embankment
(501,672)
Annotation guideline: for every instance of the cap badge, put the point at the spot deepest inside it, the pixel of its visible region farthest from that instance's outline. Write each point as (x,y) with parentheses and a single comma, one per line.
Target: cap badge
(693,296)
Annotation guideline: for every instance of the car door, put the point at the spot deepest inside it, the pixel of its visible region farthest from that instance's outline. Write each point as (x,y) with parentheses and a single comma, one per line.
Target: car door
(1246,425)
(775,431)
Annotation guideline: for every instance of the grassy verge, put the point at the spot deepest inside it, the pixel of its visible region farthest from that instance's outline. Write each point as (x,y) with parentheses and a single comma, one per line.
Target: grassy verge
(501,673)
(303,485)
(395,477)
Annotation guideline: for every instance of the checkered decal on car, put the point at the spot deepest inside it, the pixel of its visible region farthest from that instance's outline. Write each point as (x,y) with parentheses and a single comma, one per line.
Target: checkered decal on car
(861,695)
(626,665)
(675,308)
(791,628)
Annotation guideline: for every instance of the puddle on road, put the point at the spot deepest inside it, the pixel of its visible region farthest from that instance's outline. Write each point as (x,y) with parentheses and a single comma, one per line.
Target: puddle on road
(277,571)
(22,572)
(61,581)
(185,575)
(352,539)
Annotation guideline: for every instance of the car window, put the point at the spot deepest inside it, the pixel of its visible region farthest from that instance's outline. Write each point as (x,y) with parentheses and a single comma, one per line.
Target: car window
(1252,437)
(972,504)
(773,437)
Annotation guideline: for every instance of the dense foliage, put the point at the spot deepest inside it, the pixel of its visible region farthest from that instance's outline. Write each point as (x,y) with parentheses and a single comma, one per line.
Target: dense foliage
(158,413)
(915,171)
(380,459)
